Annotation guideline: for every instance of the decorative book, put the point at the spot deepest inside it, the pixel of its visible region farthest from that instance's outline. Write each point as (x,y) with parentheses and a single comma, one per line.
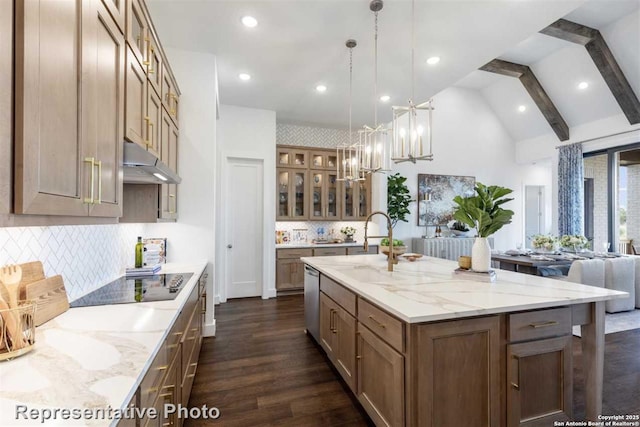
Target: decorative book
(489,277)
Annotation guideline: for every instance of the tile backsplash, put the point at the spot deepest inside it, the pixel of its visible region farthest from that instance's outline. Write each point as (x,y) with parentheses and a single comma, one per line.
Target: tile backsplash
(309,136)
(87,256)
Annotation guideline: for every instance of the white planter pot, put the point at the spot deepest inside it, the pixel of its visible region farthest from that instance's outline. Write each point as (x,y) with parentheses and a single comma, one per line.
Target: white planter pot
(481,255)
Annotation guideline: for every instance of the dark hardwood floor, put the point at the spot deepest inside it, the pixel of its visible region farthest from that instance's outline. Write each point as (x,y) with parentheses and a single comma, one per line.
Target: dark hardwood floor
(262,370)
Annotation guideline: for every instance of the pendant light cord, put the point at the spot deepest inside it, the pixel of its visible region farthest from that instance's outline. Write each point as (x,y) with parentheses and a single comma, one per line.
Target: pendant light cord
(375,73)
(350,88)
(413,48)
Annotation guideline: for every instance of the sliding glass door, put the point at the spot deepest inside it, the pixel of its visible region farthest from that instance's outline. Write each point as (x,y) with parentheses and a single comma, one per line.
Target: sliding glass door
(612,198)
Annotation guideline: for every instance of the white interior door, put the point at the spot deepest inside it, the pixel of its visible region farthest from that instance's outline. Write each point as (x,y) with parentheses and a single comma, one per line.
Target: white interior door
(243,225)
(534,212)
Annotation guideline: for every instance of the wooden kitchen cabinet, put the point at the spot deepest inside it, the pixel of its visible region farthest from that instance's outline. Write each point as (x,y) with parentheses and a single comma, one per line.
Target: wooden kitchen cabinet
(293,203)
(291,157)
(289,274)
(154,63)
(118,11)
(137,30)
(168,196)
(325,198)
(356,199)
(463,371)
(6,105)
(170,95)
(325,159)
(534,399)
(104,50)
(380,387)
(137,127)
(337,338)
(153,119)
(68,109)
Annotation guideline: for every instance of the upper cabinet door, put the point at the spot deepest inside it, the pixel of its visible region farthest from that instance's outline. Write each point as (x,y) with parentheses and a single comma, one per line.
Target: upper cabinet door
(6,110)
(49,156)
(117,9)
(153,120)
(136,127)
(137,30)
(154,66)
(103,105)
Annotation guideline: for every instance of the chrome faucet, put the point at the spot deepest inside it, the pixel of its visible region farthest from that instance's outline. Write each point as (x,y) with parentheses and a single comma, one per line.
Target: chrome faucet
(392,259)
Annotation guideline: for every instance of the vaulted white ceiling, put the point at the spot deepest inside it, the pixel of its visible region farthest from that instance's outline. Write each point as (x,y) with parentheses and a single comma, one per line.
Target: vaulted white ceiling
(560,66)
(300,44)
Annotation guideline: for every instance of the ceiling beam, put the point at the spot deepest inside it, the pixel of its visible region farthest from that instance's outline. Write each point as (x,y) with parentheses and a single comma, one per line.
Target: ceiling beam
(536,91)
(604,60)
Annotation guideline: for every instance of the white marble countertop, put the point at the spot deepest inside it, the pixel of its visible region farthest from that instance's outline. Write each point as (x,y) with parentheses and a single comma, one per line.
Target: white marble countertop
(90,357)
(425,291)
(320,245)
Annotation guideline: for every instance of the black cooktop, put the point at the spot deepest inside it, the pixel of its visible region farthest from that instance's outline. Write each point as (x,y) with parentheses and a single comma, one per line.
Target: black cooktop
(125,290)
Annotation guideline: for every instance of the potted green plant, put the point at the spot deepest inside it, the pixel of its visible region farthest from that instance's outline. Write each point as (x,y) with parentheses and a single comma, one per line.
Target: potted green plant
(398,198)
(483,212)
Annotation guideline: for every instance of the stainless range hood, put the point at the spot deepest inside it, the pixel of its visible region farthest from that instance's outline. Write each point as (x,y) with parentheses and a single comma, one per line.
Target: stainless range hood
(142,167)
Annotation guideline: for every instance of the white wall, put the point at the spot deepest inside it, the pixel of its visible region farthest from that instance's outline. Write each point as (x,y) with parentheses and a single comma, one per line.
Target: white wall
(248,133)
(193,236)
(468,139)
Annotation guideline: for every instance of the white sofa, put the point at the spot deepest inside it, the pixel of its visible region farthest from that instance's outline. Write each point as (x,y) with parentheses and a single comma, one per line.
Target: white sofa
(619,275)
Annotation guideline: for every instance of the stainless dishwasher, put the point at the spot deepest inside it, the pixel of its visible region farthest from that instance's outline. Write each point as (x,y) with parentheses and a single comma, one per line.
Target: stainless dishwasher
(312,301)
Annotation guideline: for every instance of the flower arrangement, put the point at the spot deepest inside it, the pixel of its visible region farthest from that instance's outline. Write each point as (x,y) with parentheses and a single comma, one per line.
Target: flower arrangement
(348,231)
(546,242)
(574,241)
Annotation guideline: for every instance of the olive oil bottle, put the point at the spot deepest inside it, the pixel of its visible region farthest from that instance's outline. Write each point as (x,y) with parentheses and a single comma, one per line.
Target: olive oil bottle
(139,251)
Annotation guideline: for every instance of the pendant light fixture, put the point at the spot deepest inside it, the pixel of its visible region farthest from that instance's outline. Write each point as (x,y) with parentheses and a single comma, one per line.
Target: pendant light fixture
(348,155)
(412,125)
(374,140)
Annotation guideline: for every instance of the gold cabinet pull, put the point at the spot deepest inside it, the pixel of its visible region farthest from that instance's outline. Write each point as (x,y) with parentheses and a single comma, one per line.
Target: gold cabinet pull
(147,62)
(172,196)
(381,325)
(516,385)
(148,120)
(545,324)
(150,69)
(151,139)
(99,165)
(91,199)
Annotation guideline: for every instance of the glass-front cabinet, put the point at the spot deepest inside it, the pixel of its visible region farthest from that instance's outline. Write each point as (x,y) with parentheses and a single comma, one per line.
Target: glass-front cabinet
(324,196)
(356,199)
(323,159)
(292,158)
(292,200)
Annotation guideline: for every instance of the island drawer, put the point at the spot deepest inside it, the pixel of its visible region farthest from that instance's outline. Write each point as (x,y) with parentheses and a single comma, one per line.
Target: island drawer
(533,325)
(293,253)
(339,294)
(152,381)
(382,324)
(359,250)
(329,251)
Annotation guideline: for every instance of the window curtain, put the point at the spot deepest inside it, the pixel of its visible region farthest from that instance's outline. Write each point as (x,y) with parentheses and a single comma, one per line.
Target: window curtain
(570,190)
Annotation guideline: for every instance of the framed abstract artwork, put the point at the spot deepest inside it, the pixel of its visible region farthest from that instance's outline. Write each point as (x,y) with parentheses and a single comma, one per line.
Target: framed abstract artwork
(435,196)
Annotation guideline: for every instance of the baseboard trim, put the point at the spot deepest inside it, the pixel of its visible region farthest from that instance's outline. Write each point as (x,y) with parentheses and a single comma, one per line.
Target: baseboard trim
(209,329)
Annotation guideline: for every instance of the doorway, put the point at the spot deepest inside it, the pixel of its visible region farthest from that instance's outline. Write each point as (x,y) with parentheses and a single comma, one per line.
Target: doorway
(534,212)
(243,225)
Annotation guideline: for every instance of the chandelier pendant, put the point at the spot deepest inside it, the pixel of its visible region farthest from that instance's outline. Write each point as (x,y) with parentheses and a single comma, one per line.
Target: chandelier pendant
(412,132)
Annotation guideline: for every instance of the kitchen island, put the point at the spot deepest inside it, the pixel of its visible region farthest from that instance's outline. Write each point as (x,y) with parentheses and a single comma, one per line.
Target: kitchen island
(422,347)
(109,356)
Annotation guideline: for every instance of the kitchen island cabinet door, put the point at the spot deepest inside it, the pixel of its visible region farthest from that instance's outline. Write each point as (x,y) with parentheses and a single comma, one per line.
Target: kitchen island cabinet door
(456,373)
(540,387)
(380,379)
(6,107)
(103,105)
(50,177)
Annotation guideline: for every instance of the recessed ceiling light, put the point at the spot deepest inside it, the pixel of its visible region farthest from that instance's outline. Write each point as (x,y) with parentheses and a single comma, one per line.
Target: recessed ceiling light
(583,85)
(385,98)
(433,60)
(321,88)
(249,21)
(522,108)
(244,76)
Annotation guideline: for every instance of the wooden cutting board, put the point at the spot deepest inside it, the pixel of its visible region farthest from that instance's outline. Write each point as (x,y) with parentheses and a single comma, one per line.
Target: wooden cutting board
(50,297)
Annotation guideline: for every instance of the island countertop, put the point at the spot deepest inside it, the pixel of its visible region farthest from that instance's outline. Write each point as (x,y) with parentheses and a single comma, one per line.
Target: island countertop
(91,357)
(426,291)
